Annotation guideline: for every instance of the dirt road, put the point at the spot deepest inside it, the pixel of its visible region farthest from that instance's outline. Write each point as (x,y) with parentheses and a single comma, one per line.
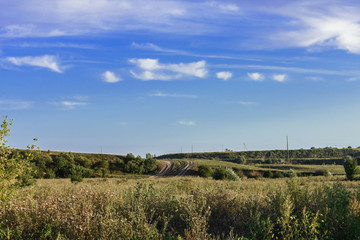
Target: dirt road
(169,169)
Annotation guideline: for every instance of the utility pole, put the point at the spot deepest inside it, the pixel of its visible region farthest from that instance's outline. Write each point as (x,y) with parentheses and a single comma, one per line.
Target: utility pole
(245,149)
(287,149)
(192,148)
(222,147)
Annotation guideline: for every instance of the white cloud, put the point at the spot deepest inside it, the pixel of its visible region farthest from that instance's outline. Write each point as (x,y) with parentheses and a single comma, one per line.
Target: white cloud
(244,103)
(153,47)
(51,45)
(256,76)
(151,69)
(46,61)
(110,77)
(224,75)
(320,24)
(186,123)
(14,104)
(81,17)
(174,95)
(279,77)
(227,7)
(156,48)
(71,103)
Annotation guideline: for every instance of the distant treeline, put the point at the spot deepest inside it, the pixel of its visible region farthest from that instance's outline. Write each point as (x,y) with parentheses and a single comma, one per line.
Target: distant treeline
(301,156)
(47,164)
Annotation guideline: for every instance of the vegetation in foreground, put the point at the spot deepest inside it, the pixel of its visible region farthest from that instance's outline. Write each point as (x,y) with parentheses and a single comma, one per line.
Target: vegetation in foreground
(184,208)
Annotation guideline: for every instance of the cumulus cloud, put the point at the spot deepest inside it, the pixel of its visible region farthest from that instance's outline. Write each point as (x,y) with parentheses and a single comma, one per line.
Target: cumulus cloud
(256,76)
(46,61)
(186,123)
(174,95)
(14,104)
(224,75)
(151,69)
(110,77)
(279,77)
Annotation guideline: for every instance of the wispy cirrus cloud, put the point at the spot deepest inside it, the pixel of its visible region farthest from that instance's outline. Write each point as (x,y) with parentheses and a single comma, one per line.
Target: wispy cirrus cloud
(243,103)
(151,69)
(46,61)
(67,18)
(156,48)
(7,104)
(326,24)
(71,103)
(255,76)
(186,123)
(173,95)
(51,45)
(110,77)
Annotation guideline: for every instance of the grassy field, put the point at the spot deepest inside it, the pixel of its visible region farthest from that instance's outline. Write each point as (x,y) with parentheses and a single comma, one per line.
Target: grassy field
(185,208)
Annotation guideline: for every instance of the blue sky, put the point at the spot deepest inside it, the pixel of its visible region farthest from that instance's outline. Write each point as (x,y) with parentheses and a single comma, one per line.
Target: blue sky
(160,76)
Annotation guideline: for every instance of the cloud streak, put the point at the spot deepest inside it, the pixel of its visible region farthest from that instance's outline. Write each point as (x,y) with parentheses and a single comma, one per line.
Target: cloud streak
(172,95)
(186,123)
(47,61)
(15,104)
(151,69)
(72,103)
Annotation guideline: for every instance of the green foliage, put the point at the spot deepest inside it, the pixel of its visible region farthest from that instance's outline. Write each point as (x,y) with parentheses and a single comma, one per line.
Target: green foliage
(205,171)
(350,166)
(225,173)
(268,174)
(219,174)
(14,167)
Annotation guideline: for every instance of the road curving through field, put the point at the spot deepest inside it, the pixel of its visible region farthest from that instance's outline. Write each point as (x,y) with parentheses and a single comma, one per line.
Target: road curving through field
(170,170)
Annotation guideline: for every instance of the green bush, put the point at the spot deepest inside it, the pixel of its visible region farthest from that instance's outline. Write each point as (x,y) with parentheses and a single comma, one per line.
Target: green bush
(231,175)
(350,166)
(278,175)
(268,174)
(205,171)
(219,173)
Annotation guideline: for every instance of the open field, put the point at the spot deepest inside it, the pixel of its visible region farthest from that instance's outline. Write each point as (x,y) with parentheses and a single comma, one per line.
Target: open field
(185,208)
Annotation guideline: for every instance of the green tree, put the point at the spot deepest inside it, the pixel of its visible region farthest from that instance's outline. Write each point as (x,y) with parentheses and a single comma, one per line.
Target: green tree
(12,164)
(350,166)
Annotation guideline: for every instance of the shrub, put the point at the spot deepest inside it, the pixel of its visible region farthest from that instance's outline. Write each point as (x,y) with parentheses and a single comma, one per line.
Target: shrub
(268,174)
(205,171)
(350,166)
(231,175)
(219,174)
(291,173)
(323,172)
(278,175)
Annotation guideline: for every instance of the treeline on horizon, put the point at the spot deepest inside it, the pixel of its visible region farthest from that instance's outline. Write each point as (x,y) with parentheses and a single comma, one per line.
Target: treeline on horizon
(47,164)
(327,155)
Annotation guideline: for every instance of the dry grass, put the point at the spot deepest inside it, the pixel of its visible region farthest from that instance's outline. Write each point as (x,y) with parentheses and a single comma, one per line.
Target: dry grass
(184,208)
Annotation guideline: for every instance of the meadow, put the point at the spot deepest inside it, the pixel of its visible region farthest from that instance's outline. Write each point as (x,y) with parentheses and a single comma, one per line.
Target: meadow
(184,208)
